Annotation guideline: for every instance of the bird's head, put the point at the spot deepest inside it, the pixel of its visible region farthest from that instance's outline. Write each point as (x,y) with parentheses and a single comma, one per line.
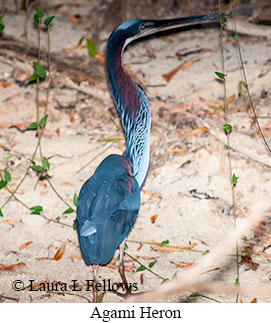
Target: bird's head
(134,29)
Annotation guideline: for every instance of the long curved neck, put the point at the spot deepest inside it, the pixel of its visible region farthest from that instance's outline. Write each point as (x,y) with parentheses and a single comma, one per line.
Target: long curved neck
(133,107)
(123,89)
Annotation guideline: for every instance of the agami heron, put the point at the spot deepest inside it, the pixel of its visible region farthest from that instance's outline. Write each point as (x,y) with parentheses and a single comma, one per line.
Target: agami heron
(109,201)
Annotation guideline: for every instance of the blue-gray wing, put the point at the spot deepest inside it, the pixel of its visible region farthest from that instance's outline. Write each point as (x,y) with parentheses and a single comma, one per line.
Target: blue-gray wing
(107,209)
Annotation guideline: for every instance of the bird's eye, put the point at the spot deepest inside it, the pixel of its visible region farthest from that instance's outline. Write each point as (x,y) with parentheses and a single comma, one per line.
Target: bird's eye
(142,27)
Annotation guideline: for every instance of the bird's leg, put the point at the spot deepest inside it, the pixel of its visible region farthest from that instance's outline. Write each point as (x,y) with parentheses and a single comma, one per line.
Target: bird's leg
(122,269)
(122,274)
(95,274)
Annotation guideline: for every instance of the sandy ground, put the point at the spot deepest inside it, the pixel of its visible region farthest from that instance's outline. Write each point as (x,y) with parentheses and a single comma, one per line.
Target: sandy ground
(187,187)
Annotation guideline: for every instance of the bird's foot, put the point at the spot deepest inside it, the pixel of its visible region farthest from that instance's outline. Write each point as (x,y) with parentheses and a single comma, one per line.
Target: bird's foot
(127,293)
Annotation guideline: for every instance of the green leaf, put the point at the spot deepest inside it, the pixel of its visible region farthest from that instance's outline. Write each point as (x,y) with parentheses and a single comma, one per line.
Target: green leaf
(43,121)
(141,268)
(227,128)
(38,15)
(7,175)
(2,27)
(45,163)
(36,209)
(48,20)
(36,65)
(32,78)
(223,18)
(221,75)
(244,84)
(39,70)
(206,252)
(125,246)
(194,294)
(165,280)
(36,19)
(3,184)
(35,212)
(164,242)
(174,275)
(237,283)
(235,37)
(37,168)
(32,126)
(100,297)
(234,179)
(81,40)
(41,73)
(75,199)
(68,211)
(151,264)
(1,213)
(91,47)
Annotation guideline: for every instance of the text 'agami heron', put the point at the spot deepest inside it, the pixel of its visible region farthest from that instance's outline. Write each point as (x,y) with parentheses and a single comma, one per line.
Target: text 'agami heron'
(109,201)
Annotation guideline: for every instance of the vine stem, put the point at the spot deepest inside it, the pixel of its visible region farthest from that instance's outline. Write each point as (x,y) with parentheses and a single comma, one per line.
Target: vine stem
(28,207)
(49,84)
(246,82)
(229,146)
(40,131)
(140,263)
(37,94)
(56,192)
(39,134)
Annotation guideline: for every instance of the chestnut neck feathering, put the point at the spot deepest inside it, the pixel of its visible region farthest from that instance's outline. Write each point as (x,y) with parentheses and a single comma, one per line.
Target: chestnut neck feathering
(132,105)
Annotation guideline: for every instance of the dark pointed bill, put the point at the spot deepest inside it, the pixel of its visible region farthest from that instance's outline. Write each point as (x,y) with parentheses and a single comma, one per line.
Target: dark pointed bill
(155,26)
